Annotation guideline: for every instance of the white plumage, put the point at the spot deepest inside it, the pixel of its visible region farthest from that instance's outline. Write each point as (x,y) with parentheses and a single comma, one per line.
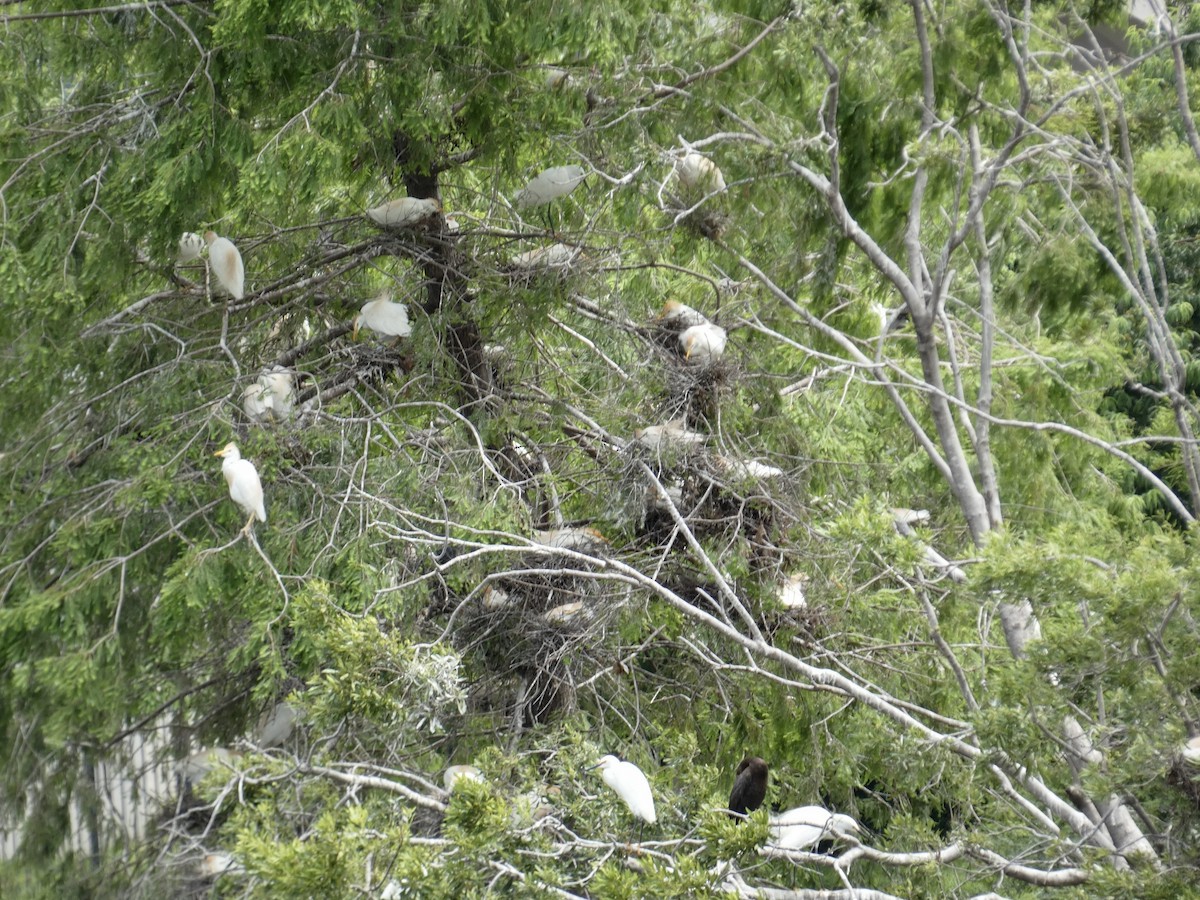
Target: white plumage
(550,185)
(556,256)
(245,489)
(703,344)
(384,316)
(404,212)
(191,245)
(699,173)
(806,826)
(630,784)
(680,315)
(272,397)
(226,264)
(454,774)
(582,540)
(669,434)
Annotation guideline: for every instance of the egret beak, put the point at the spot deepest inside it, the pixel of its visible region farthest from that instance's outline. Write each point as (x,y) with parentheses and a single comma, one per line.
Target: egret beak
(220,452)
(590,768)
(354,331)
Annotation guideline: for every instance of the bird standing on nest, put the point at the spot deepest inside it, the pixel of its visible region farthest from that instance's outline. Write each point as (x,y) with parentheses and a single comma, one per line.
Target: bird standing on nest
(384,316)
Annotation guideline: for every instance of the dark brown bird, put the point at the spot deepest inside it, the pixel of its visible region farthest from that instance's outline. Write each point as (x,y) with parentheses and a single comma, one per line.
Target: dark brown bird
(749,786)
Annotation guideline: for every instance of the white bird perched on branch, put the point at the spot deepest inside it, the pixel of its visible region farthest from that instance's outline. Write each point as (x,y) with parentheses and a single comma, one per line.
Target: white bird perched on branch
(550,185)
(272,397)
(670,434)
(384,316)
(556,256)
(699,173)
(454,774)
(191,245)
(703,344)
(806,826)
(630,784)
(226,264)
(245,489)
(404,212)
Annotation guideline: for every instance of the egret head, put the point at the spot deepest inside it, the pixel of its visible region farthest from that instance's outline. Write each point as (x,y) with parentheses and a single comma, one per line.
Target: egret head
(209,237)
(229,451)
(605,763)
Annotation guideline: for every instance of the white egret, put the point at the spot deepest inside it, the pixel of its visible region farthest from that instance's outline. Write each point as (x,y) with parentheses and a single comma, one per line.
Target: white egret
(749,786)
(454,774)
(556,78)
(583,540)
(550,185)
(215,864)
(404,212)
(556,256)
(562,614)
(1191,751)
(703,344)
(191,245)
(384,316)
(630,784)
(672,434)
(275,725)
(680,315)
(699,173)
(192,770)
(791,593)
(226,264)
(271,397)
(748,468)
(245,489)
(495,598)
(806,826)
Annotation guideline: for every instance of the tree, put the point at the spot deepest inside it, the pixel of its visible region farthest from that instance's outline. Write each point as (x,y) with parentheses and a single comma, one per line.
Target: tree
(543,527)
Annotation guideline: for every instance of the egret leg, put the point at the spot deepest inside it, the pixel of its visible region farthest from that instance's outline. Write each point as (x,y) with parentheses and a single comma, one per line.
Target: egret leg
(249,525)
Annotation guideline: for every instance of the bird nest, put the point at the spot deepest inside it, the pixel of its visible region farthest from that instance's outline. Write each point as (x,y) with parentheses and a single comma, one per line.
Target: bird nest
(536,631)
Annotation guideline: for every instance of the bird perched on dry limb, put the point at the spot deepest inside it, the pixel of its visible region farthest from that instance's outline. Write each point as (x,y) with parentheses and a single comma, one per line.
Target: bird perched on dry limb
(226,264)
(245,488)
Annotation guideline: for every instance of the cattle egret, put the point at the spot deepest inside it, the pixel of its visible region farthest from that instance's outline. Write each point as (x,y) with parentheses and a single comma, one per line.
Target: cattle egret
(495,598)
(384,316)
(215,864)
(275,725)
(454,774)
(680,316)
(703,344)
(806,826)
(404,212)
(193,769)
(1191,751)
(556,78)
(244,487)
(272,397)
(583,540)
(748,468)
(671,434)
(791,594)
(226,264)
(699,173)
(560,615)
(630,784)
(191,245)
(749,786)
(550,185)
(556,256)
